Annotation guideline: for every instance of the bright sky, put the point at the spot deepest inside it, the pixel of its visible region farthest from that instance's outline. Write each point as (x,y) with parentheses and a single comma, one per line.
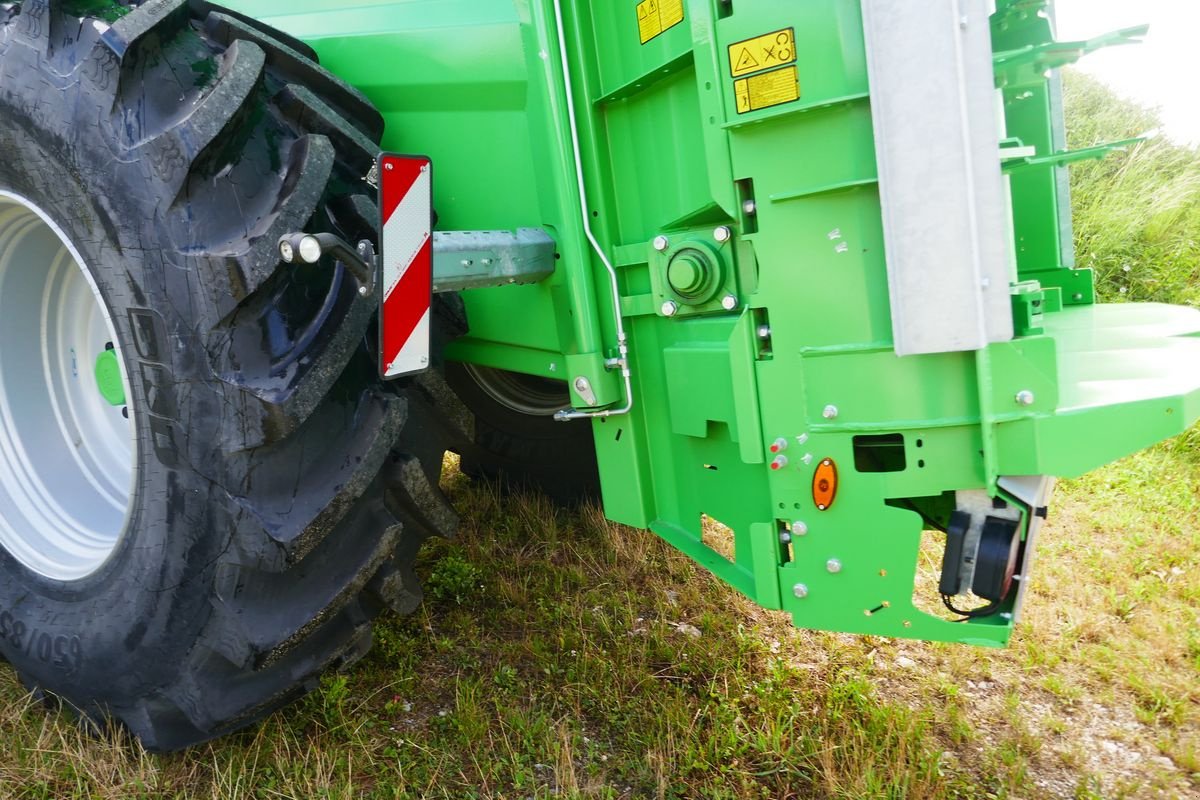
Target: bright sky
(1163,72)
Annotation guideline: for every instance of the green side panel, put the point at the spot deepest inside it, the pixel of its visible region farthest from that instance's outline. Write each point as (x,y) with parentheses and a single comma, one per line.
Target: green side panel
(753,119)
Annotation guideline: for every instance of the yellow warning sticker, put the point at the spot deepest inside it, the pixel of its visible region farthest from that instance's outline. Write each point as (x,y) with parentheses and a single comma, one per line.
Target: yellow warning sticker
(656,16)
(762,52)
(768,89)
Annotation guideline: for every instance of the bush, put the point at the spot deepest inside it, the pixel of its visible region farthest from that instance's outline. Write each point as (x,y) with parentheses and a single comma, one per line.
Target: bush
(454,579)
(1137,213)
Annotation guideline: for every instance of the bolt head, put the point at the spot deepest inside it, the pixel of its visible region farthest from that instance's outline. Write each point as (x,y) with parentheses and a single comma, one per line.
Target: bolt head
(723,234)
(800,591)
(670,308)
(750,208)
(799,528)
(834,566)
(729,302)
(785,537)
(363,291)
(661,243)
(582,385)
(1025,398)
(389,166)
(764,331)
(830,412)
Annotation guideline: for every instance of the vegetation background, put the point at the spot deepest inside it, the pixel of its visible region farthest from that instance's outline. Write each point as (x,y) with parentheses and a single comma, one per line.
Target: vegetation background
(559,655)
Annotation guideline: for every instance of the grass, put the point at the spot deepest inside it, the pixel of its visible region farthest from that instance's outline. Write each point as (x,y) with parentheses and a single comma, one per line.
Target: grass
(560,655)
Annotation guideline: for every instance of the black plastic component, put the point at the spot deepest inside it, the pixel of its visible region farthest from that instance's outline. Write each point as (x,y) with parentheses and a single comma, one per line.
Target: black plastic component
(956,534)
(999,546)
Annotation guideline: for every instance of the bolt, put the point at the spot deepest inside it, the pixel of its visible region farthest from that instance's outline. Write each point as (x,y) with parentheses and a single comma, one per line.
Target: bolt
(830,412)
(1077,296)
(582,384)
(363,291)
(723,234)
(779,463)
(764,331)
(1025,397)
(800,590)
(389,167)
(779,445)
(799,528)
(834,566)
(661,243)
(750,208)
(729,302)
(785,537)
(670,308)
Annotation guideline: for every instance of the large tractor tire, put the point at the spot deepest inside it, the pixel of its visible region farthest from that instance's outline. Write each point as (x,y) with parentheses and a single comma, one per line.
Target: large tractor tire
(206,494)
(516,442)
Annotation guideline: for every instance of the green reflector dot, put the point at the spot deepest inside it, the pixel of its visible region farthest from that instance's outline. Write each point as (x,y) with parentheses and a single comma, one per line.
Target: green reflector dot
(108,378)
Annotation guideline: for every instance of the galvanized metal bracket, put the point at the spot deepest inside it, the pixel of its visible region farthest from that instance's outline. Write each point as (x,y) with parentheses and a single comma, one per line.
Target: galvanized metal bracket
(479,259)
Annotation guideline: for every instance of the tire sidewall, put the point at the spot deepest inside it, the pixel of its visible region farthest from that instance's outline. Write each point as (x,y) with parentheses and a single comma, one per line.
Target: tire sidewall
(120,629)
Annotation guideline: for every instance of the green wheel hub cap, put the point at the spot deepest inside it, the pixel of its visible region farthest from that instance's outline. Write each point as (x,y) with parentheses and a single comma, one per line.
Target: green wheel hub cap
(108,378)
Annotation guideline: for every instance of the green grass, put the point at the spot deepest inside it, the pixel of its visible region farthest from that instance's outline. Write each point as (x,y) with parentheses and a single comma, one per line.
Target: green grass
(556,654)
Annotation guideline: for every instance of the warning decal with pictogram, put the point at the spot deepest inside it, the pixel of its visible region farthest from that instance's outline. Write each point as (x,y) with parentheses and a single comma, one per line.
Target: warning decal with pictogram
(768,51)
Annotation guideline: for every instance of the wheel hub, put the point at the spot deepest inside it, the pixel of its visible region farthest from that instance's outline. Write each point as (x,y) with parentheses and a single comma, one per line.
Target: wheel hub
(67,449)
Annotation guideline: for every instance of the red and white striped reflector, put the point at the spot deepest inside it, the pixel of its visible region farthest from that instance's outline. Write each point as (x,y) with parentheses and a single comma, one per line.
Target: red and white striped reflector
(406,203)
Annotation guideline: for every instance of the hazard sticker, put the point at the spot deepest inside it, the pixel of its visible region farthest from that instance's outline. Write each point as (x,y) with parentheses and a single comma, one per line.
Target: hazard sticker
(766,90)
(768,51)
(656,16)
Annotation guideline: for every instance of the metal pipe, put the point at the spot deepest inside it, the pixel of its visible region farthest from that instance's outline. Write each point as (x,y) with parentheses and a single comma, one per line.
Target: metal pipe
(622,340)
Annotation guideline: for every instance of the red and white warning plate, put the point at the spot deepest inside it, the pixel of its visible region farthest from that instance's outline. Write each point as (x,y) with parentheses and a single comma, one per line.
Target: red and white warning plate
(406,280)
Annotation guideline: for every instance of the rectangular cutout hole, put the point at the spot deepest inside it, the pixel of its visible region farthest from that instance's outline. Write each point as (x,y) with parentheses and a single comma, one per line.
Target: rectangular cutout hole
(786,552)
(747,205)
(880,453)
(718,537)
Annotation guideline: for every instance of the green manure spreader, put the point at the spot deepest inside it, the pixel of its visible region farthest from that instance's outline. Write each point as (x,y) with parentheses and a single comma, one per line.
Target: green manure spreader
(797,274)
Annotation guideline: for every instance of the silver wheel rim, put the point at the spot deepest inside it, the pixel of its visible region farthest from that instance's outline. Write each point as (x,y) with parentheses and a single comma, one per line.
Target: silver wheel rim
(67,455)
(525,394)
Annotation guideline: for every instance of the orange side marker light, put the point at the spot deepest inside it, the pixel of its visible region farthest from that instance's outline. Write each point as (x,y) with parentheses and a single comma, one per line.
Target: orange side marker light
(825,484)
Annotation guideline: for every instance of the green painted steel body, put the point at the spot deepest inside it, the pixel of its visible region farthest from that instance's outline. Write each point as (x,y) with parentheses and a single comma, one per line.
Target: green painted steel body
(477,85)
